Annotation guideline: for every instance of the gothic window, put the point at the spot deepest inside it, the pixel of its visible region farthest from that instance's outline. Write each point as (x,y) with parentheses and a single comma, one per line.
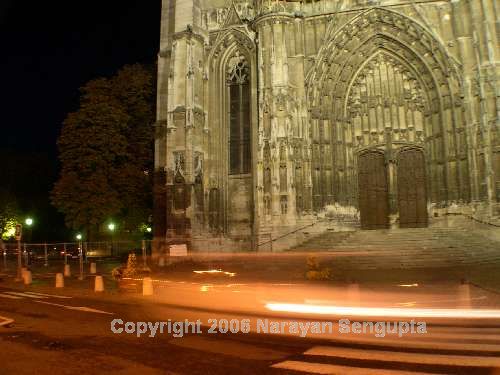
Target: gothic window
(239,115)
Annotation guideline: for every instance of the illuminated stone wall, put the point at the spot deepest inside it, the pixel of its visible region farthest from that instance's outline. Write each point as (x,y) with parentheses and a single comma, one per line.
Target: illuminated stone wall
(328,81)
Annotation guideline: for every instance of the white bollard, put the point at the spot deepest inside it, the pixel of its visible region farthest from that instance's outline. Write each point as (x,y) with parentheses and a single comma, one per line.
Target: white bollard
(93,268)
(99,284)
(27,277)
(67,270)
(147,286)
(161,262)
(59,280)
(464,296)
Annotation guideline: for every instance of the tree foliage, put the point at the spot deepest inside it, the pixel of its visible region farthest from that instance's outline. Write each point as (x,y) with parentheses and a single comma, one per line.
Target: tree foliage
(106,152)
(9,211)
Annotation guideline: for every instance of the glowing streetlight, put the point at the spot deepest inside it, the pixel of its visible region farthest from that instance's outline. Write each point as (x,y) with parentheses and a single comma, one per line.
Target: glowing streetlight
(148,229)
(80,254)
(111,227)
(28,221)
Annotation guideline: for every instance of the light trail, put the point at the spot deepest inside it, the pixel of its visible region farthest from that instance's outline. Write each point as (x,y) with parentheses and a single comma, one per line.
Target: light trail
(385,312)
(230,274)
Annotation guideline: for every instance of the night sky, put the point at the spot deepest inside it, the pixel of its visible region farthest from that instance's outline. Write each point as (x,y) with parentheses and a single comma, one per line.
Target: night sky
(49,49)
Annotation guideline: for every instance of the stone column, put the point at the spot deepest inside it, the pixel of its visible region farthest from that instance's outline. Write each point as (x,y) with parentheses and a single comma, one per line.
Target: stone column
(181,40)
(483,27)
(272,33)
(462,26)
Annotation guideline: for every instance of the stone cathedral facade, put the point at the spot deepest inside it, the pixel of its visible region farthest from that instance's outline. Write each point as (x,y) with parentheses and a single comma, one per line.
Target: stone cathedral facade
(273,113)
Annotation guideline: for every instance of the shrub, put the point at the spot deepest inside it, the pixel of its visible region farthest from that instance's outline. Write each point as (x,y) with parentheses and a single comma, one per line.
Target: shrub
(117,272)
(315,272)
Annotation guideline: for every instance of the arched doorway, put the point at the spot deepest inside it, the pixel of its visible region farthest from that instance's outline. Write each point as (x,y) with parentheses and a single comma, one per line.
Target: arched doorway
(412,193)
(380,85)
(373,190)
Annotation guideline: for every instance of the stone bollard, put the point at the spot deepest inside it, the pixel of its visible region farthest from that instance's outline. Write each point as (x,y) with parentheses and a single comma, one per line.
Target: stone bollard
(147,286)
(99,284)
(27,278)
(23,271)
(67,270)
(59,280)
(93,268)
(161,262)
(464,295)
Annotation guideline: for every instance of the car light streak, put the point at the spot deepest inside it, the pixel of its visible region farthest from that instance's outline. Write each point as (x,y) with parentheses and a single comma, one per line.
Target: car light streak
(230,274)
(386,312)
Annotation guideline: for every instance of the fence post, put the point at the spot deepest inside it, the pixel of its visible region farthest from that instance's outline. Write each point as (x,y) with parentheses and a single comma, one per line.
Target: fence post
(144,255)
(19,261)
(65,254)
(80,253)
(46,255)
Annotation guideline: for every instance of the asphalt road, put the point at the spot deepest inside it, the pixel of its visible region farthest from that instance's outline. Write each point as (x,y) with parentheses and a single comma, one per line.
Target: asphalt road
(58,333)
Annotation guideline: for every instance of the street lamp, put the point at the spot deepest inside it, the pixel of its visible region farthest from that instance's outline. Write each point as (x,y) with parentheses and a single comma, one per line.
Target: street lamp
(29,224)
(111,227)
(80,254)
(148,229)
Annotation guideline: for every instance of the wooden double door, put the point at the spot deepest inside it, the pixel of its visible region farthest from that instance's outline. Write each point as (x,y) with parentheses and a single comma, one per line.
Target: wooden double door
(373,185)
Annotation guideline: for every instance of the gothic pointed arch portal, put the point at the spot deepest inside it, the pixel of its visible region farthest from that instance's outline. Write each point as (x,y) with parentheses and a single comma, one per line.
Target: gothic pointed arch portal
(385,105)
(382,83)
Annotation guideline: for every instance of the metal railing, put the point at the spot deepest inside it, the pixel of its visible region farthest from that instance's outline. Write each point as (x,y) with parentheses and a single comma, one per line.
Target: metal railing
(46,252)
(271,239)
(43,257)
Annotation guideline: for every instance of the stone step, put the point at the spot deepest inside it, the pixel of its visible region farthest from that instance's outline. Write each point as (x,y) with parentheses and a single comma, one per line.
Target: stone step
(406,248)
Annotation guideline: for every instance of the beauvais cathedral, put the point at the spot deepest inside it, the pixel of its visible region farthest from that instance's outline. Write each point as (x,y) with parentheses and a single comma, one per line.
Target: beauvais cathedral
(275,115)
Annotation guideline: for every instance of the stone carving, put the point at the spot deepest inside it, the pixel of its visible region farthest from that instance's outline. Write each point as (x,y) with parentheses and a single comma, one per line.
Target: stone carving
(198,165)
(179,162)
(237,69)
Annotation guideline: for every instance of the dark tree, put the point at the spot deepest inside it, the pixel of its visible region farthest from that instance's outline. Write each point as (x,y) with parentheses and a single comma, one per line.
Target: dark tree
(106,153)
